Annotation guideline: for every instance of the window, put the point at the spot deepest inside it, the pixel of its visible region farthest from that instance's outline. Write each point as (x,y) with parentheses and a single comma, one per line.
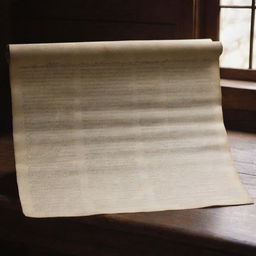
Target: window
(238,36)
(225,20)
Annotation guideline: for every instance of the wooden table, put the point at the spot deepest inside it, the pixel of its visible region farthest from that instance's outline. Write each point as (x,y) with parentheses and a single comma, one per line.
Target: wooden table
(207,232)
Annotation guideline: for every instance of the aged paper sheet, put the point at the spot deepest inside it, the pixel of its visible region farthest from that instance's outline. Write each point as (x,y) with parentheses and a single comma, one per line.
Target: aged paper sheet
(129,126)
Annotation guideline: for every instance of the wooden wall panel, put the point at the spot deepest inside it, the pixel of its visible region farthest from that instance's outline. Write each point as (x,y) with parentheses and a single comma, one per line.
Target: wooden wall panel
(76,31)
(239,107)
(161,11)
(94,20)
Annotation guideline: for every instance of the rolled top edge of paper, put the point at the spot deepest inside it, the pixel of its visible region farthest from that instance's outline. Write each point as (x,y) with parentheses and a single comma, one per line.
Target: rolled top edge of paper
(144,49)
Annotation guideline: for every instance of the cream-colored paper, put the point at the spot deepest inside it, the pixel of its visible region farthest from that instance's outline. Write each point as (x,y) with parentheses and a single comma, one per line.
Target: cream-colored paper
(109,127)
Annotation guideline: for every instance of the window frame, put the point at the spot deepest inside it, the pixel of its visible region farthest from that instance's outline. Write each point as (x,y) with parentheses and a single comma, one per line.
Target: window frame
(238,99)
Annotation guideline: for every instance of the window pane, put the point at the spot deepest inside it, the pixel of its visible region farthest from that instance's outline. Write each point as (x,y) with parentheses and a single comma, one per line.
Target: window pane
(235,37)
(235,2)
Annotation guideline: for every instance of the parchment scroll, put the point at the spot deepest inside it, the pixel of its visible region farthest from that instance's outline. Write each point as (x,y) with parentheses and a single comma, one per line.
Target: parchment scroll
(129,126)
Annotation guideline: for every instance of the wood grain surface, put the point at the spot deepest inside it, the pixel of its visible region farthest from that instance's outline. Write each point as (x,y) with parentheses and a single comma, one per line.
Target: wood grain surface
(209,231)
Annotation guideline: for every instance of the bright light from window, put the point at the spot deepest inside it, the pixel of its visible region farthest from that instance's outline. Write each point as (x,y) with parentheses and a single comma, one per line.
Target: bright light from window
(237,34)
(235,37)
(235,2)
